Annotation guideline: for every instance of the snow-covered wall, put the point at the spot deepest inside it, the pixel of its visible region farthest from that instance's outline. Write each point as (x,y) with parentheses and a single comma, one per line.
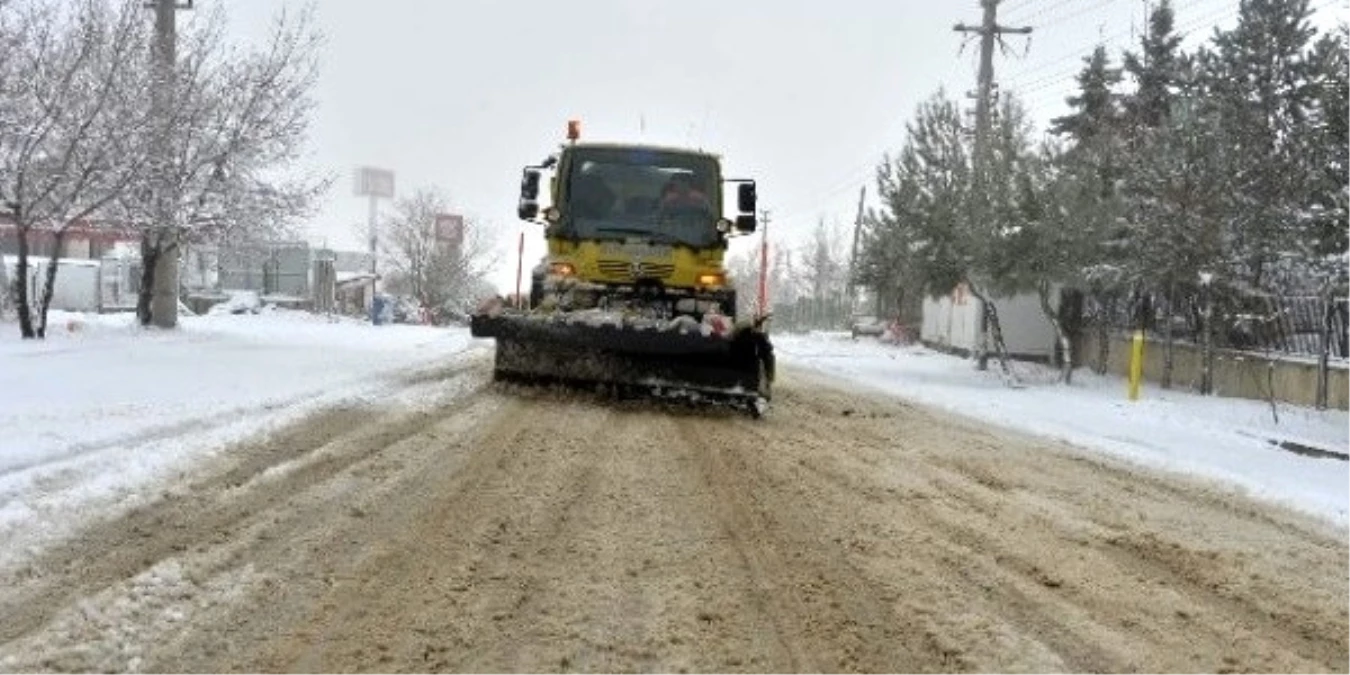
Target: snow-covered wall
(1025,327)
(953,322)
(77,282)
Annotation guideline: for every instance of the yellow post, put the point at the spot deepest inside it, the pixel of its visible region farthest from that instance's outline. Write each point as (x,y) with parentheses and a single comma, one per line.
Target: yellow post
(1136,364)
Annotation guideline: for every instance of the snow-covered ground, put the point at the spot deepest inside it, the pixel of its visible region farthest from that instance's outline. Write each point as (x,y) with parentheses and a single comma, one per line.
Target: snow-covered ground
(102,411)
(1217,438)
(104,415)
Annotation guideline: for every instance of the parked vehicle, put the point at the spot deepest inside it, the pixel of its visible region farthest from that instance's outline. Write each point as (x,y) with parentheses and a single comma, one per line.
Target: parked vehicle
(867,325)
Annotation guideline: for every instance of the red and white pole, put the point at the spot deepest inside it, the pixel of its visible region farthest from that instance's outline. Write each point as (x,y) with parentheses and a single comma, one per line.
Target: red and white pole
(764,265)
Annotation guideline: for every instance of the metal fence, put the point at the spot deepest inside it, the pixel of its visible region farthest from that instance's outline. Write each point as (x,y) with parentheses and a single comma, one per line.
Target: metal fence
(1283,325)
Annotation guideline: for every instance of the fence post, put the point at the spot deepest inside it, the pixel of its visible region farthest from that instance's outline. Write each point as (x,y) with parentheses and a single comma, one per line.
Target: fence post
(1168,360)
(1207,352)
(1324,358)
(1340,326)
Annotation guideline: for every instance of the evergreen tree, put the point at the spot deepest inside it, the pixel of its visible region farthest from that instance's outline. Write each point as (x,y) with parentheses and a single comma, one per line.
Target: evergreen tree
(1154,70)
(1095,108)
(1264,81)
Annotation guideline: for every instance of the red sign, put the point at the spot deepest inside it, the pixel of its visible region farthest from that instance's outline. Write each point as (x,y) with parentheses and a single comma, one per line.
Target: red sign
(450,228)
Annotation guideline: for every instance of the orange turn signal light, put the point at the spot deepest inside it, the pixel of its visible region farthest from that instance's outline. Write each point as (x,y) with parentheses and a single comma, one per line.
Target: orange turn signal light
(712,279)
(562,269)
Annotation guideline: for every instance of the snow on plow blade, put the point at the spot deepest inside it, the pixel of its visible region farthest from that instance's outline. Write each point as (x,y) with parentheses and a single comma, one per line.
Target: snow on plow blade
(739,368)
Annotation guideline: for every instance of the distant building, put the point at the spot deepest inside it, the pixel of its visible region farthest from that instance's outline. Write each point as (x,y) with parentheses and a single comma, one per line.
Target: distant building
(287,273)
(82,241)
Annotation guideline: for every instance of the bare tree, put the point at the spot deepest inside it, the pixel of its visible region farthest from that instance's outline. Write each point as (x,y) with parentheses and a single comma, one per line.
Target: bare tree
(237,126)
(70,142)
(824,274)
(14,30)
(743,271)
(440,274)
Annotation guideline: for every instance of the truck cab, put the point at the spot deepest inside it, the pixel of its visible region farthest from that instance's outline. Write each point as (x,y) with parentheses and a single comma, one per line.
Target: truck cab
(632,221)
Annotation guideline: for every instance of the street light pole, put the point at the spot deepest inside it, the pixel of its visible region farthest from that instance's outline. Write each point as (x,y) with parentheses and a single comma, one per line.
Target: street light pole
(372,225)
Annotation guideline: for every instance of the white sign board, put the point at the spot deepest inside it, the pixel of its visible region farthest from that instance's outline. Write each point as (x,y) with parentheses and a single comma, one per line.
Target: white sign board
(374,183)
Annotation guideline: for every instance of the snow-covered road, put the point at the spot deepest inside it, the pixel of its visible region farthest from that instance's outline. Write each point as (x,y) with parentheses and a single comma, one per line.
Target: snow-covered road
(487,528)
(103,415)
(276,492)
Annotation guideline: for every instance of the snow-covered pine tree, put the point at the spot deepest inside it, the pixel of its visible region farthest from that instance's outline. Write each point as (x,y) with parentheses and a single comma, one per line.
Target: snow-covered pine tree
(1177,185)
(1092,162)
(887,261)
(1160,203)
(1153,71)
(1264,80)
(1325,242)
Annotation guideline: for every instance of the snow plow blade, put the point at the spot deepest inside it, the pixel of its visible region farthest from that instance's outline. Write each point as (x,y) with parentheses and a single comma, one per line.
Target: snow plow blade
(736,369)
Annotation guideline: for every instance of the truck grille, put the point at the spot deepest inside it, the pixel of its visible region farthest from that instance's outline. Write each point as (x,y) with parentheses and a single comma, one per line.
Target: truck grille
(623,270)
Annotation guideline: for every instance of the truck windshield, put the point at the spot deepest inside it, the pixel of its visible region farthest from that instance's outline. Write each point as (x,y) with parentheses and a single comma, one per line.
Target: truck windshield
(622,193)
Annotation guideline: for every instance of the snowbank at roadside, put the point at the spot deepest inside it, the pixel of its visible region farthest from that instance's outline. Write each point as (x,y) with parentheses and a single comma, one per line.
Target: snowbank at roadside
(103,409)
(1217,438)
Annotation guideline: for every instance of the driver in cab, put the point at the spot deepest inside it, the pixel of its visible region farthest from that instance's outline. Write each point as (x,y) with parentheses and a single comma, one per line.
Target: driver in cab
(681,193)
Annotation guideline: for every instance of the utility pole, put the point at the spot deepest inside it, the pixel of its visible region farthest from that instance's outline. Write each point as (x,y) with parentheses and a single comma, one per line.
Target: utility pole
(164,296)
(853,258)
(989,31)
(764,263)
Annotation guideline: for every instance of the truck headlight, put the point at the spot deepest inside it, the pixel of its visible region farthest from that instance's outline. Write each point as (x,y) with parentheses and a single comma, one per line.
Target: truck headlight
(712,279)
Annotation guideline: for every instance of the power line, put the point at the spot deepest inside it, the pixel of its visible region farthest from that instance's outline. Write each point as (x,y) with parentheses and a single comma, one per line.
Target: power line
(1079,53)
(1047,85)
(1014,5)
(1054,77)
(1030,18)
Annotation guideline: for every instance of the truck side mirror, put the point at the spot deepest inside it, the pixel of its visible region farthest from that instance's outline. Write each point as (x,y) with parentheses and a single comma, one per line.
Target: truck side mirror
(746,224)
(528,208)
(745,200)
(529,185)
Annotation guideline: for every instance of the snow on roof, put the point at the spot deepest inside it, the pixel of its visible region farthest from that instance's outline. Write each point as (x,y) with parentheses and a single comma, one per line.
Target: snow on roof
(643,146)
(344,278)
(13,260)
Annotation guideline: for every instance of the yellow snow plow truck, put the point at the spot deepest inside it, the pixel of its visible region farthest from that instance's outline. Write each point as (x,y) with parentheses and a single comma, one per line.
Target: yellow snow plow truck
(633,293)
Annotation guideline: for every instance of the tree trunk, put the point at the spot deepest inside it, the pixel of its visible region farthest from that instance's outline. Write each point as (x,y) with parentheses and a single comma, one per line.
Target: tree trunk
(1324,355)
(982,349)
(6,290)
(1065,345)
(1106,304)
(149,258)
(1168,357)
(990,314)
(21,284)
(1207,349)
(164,298)
(49,291)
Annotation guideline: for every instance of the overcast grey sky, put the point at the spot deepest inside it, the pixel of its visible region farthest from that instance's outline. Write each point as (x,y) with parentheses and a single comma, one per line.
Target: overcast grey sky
(803,95)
